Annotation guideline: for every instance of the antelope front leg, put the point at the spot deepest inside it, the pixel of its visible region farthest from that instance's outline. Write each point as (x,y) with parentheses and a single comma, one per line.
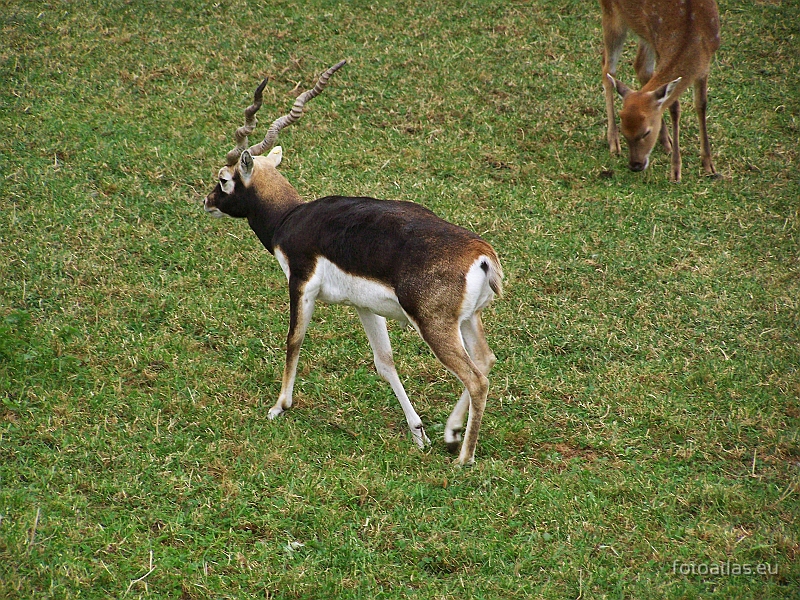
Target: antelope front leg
(301,308)
(675,113)
(612,134)
(613,42)
(644,65)
(700,105)
(378,336)
(663,137)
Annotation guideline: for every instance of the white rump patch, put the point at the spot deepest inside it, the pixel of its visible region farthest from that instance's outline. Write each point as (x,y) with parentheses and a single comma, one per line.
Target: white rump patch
(478,293)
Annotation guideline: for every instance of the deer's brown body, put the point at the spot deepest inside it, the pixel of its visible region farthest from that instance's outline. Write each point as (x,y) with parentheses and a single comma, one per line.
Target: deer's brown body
(677,39)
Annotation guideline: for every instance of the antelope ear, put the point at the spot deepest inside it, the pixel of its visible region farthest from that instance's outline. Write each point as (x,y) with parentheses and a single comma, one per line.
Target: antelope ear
(246,165)
(275,156)
(622,89)
(664,92)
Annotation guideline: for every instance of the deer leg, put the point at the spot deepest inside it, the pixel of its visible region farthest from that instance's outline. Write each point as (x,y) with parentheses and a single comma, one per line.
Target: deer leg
(614,34)
(448,347)
(455,423)
(484,359)
(700,105)
(301,308)
(675,114)
(378,336)
(645,65)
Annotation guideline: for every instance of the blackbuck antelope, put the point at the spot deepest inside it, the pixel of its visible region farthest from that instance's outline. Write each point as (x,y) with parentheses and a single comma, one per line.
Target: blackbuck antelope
(677,39)
(388,259)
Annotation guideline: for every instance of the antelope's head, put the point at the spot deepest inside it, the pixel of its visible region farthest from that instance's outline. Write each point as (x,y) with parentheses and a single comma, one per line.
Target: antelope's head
(640,120)
(249,177)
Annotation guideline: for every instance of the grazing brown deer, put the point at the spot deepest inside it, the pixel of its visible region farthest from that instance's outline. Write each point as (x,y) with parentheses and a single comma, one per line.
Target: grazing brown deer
(388,259)
(677,39)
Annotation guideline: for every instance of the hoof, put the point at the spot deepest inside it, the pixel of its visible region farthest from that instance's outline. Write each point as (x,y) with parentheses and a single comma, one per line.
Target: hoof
(465,463)
(420,438)
(453,440)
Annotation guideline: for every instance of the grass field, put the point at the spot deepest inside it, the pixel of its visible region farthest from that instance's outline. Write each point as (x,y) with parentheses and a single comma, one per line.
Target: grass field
(643,418)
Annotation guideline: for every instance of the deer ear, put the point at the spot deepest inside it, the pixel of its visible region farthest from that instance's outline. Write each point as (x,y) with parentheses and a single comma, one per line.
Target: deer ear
(275,156)
(622,89)
(665,91)
(246,165)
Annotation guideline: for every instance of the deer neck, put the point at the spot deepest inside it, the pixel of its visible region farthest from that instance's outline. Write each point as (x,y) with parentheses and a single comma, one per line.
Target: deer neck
(271,203)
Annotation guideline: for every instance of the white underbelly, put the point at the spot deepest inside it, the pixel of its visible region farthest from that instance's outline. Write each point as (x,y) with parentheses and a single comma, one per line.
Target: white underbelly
(332,285)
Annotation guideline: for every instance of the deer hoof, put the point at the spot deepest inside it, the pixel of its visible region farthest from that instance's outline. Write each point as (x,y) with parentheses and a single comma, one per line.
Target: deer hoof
(453,440)
(420,438)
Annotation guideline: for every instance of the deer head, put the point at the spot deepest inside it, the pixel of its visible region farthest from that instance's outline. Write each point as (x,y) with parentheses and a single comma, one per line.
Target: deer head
(640,119)
(248,178)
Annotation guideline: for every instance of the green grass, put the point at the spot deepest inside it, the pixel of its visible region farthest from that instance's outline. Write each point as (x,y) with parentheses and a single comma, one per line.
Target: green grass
(646,401)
